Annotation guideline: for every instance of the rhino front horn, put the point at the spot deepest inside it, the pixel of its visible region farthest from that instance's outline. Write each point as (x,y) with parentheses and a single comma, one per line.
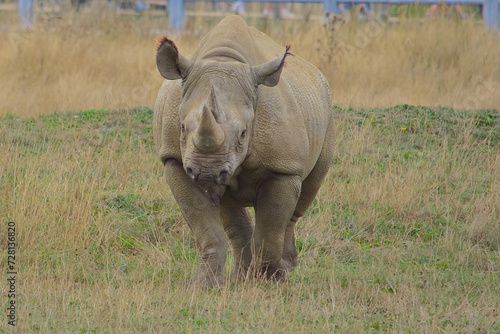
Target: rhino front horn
(209,135)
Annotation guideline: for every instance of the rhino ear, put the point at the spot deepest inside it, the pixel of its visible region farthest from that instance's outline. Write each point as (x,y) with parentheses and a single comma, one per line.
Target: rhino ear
(268,74)
(171,64)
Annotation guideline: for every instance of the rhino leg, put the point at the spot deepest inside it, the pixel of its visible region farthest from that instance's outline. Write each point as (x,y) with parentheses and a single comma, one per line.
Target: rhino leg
(239,228)
(203,217)
(290,251)
(274,206)
(310,188)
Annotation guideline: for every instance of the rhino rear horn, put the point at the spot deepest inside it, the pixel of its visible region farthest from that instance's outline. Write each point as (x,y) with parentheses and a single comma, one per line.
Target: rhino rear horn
(268,74)
(219,114)
(209,135)
(171,64)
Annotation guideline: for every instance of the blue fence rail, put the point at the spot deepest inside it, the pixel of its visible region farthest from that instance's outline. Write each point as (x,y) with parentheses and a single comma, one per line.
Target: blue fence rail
(177,14)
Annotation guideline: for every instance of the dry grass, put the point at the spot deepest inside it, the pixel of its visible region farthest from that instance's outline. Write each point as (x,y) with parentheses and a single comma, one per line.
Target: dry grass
(85,62)
(403,236)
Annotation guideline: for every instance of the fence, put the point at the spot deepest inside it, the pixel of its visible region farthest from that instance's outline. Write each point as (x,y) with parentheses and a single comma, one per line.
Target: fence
(177,13)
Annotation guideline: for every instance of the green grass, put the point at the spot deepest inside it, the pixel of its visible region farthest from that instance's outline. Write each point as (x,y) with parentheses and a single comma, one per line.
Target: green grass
(404,235)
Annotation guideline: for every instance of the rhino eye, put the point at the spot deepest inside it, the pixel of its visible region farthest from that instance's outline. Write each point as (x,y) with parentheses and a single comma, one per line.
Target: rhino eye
(183,128)
(243,134)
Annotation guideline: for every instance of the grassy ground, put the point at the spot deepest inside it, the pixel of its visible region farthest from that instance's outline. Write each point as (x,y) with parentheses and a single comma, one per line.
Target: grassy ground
(404,235)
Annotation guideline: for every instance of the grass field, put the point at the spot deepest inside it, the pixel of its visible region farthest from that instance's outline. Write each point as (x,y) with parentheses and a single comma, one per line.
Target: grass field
(403,237)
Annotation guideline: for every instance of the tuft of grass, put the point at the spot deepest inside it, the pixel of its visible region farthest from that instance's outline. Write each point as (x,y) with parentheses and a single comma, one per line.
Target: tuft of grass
(403,236)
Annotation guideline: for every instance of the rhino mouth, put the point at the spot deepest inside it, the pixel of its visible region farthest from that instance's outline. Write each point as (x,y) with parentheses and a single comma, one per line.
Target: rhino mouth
(207,183)
(208,179)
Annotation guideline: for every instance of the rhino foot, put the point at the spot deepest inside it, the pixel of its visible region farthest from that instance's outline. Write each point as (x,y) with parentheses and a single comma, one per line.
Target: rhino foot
(278,272)
(291,258)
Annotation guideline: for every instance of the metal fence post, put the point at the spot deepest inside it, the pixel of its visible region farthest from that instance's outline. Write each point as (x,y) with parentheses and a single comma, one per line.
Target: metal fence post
(331,6)
(176,14)
(25,12)
(490,14)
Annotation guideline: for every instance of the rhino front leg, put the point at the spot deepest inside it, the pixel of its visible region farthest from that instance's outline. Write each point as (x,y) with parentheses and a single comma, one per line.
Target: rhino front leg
(239,228)
(274,206)
(203,217)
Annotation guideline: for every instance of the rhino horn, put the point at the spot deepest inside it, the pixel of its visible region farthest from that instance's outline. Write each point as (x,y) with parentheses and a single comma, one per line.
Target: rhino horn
(219,115)
(210,134)
(171,64)
(268,74)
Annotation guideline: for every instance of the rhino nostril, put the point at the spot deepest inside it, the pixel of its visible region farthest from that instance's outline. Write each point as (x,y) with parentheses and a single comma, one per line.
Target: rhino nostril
(222,175)
(190,173)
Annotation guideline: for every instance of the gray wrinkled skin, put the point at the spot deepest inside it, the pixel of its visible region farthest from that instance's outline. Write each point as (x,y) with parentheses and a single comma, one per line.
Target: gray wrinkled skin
(235,128)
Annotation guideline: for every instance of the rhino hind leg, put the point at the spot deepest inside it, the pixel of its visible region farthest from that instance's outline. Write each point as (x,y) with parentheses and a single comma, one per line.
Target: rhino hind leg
(289,250)
(203,217)
(310,187)
(239,229)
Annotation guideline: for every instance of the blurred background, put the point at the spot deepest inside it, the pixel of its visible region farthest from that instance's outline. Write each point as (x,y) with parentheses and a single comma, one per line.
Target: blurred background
(90,54)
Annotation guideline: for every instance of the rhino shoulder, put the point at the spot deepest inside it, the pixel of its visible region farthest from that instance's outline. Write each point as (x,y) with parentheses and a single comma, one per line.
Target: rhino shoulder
(166,123)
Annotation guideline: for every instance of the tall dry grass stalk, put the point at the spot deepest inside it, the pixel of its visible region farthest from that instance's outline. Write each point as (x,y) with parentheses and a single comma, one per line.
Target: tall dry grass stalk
(79,62)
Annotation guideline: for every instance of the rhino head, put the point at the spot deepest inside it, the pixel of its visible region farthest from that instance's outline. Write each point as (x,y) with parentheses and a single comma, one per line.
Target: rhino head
(219,97)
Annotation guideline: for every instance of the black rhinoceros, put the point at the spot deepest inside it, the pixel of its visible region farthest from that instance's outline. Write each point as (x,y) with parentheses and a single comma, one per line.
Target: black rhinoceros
(237,130)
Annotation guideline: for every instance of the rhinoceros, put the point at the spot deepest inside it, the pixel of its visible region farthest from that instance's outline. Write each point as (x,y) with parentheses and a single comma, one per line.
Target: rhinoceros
(235,128)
